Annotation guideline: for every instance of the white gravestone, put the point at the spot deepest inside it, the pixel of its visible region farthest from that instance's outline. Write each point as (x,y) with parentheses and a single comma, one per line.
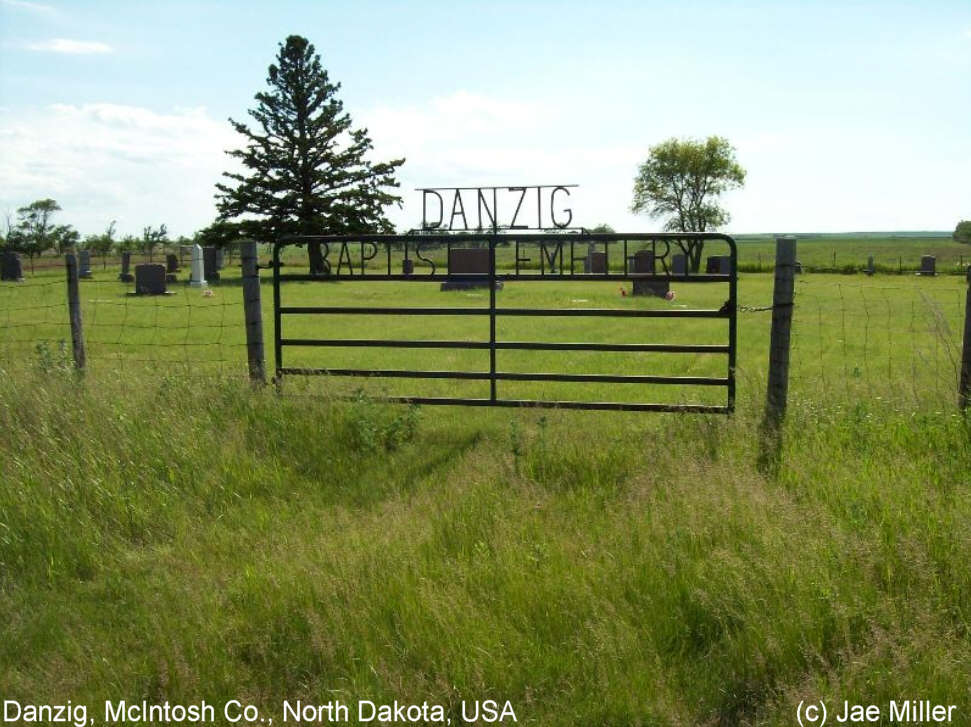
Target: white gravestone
(197,279)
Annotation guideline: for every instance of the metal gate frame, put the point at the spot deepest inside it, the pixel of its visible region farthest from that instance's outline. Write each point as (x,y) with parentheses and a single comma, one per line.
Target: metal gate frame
(415,241)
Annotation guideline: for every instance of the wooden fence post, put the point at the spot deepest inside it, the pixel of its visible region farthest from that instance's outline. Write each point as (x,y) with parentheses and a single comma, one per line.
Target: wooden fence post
(253,311)
(782,296)
(777,392)
(74,310)
(964,387)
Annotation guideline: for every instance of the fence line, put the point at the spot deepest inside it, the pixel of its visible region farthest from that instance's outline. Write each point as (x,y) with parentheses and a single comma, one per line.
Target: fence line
(896,342)
(898,345)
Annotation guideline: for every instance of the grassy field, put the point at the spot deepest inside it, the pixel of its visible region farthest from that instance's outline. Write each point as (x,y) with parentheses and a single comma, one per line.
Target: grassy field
(166,532)
(834,253)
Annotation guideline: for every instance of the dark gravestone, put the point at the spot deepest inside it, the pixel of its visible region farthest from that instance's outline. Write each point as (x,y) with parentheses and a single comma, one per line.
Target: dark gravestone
(643,263)
(149,279)
(84,264)
(595,262)
(210,270)
(125,275)
(679,264)
(718,265)
(408,266)
(171,268)
(928,265)
(468,267)
(219,258)
(869,269)
(10,267)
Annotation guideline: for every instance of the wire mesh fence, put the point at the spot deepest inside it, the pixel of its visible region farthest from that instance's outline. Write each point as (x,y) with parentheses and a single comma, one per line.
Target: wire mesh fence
(888,340)
(197,330)
(876,340)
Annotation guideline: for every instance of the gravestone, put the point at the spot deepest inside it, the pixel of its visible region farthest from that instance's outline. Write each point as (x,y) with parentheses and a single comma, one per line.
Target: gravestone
(219,258)
(125,275)
(643,263)
(928,265)
(718,265)
(408,267)
(209,260)
(84,264)
(869,269)
(595,262)
(679,264)
(171,268)
(150,279)
(197,278)
(468,267)
(10,267)
(183,251)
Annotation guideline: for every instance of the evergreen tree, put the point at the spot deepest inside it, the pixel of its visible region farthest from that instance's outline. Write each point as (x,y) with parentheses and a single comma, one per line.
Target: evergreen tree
(306,167)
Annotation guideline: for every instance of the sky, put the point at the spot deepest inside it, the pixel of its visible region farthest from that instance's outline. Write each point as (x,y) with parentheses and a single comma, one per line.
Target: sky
(846,115)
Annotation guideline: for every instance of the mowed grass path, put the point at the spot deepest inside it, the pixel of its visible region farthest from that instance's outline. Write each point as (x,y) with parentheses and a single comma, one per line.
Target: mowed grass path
(169,534)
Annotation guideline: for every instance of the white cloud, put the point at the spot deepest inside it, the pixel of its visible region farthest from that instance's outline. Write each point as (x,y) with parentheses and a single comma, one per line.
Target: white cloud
(29,6)
(468,139)
(799,178)
(144,166)
(65,45)
(107,161)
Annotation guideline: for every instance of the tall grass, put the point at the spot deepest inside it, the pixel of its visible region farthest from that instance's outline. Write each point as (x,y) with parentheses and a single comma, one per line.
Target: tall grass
(188,538)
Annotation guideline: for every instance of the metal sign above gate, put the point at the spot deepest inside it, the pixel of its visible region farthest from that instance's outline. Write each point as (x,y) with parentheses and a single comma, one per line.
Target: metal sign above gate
(533,207)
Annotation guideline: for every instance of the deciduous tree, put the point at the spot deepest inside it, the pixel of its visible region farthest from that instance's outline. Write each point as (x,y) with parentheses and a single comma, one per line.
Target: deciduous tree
(36,232)
(152,238)
(681,181)
(962,233)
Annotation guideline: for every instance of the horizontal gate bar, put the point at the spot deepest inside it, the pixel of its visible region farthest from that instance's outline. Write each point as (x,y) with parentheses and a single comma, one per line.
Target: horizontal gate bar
(612,312)
(508,345)
(605,312)
(398,311)
(381,343)
(656,347)
(512,376)
(590,405)
(504,277)
(390,373)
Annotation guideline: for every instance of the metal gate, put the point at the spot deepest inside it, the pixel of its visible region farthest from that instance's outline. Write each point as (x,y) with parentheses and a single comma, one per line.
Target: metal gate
(376,258)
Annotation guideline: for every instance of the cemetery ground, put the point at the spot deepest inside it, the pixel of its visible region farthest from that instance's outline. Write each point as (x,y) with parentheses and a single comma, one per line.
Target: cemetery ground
(169,533)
